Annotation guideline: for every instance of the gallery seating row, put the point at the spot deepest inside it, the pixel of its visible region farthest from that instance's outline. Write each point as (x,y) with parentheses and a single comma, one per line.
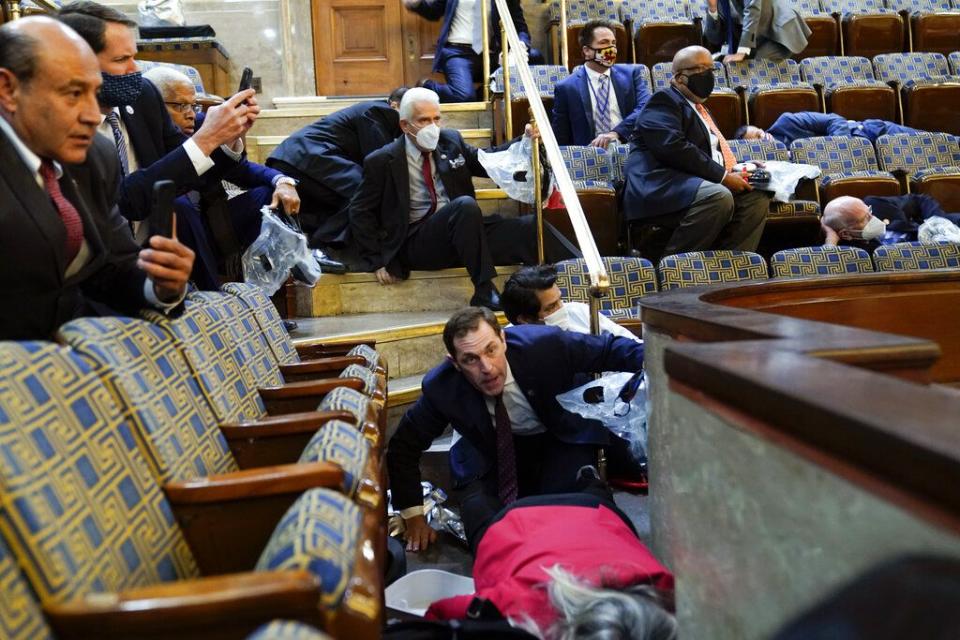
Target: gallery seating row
(633,278)
(651,32)
(161,477)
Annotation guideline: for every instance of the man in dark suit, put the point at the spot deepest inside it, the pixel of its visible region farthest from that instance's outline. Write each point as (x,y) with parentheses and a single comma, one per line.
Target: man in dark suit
(149,146)
(877,220)
(460,44)
(600,101)
(810,124)
(416,208)
(64,249)
(679,171)
(498,389)
(771,29)
(326,158)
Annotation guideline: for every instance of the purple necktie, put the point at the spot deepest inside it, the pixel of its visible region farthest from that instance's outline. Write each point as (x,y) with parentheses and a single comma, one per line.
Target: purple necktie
(506,457)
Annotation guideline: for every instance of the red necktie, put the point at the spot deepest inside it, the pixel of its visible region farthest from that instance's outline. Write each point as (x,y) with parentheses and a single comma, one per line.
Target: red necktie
(428,180)
(506,457)
(68,213)
(728,159)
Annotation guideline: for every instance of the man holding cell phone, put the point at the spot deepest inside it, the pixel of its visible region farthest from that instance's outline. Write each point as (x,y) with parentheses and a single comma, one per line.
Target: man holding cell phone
(65,251)
(149,146)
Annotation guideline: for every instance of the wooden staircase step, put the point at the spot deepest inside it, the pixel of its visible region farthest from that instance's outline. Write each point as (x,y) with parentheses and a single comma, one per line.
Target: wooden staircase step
(353,293)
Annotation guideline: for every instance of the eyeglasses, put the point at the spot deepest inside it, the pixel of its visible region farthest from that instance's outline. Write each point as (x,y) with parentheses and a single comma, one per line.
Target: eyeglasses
(184,107)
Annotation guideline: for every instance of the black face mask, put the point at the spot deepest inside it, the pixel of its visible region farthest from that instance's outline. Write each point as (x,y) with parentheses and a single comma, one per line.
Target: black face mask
(701,84)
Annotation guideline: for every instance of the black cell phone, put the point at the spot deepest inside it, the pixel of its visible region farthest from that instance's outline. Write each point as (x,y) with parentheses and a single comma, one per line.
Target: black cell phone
(246,79)
(161,208)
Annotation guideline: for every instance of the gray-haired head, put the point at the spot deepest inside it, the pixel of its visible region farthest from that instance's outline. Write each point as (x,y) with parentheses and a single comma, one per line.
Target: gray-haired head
(415,96)
(595,613)
(167,79)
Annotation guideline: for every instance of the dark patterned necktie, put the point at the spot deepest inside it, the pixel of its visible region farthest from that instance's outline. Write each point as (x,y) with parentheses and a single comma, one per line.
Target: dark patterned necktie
(723,7)
(68,213)
(114,121)
(602,116)
(506,457)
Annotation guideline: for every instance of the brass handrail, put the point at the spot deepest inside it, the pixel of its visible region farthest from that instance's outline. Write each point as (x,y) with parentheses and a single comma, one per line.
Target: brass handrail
(599,280)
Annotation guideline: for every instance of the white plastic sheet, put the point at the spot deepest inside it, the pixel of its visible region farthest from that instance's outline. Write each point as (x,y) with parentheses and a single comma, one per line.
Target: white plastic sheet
(511,169)
(161,13)
(938,229)
(278,251)
(785,176)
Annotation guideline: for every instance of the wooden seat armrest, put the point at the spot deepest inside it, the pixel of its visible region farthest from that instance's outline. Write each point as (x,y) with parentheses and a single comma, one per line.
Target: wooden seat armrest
(326,349)
(218,606)
(283,425)
(321,365)
(304,395)
(255,483)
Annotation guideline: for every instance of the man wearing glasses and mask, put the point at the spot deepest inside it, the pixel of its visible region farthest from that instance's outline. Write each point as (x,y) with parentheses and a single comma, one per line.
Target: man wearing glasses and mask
(878,220)
(614,93)
(679,173)
(149,146)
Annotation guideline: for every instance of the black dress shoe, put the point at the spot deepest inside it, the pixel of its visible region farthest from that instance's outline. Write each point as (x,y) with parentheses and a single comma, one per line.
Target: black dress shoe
(486,295)
(290,325)
(327,265)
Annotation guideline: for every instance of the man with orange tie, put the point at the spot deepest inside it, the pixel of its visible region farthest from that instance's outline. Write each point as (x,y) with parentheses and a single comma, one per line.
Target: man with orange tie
(679,173)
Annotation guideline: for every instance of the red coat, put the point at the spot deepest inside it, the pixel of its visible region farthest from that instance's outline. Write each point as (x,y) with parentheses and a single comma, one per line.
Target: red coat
(593,544)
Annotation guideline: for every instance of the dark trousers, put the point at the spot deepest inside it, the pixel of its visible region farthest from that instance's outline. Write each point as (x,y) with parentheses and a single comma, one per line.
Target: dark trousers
(459,235)
(717,219)
(323,211)
(192,232)
(545,465)
(462,67)
(245,214)
(873,128)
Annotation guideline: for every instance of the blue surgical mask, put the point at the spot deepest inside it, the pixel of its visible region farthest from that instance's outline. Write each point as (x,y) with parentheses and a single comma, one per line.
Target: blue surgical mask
(117,91)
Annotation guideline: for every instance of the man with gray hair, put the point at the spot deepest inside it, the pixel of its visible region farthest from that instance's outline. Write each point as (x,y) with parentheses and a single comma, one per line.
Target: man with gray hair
(264,186)
(416,207)
(877,220)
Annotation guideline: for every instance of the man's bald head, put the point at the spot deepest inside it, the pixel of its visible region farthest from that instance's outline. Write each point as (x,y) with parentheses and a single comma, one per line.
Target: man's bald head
(846,212)
(692,56)
(48,82)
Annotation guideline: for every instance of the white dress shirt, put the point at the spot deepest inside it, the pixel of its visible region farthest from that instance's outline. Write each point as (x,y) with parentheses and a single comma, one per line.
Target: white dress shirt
(715,151)
(593,78)
(33,162)
(419,195)
(578,319)
(461,27)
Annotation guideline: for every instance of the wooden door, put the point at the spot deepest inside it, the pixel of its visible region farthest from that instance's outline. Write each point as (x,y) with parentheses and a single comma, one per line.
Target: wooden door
(357,46)
(420,42)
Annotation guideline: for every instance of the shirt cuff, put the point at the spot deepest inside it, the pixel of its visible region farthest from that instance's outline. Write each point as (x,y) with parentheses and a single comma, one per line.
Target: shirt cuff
(150,294)
(201,163)
(411,512)
(744,50)
(234,151)
(714,15)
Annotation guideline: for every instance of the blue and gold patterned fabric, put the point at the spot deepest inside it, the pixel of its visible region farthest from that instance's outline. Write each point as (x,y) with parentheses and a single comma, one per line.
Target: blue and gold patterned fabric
(583,11)
(794,208)
(916,7)
(630,280)
(641,12)
(915,256)
(710,267)
(226,382)
(186,70)
(320,532)
(271,324)
(838,156)
(340,442)
(287,630)
(617,154)
(546,77)
(911,69)
(954,60)
(175,427)
(662,72)
(20,615)
(920,152)
(859,7)
(759,150)
(835,72)
(371,382)
(589,167)
(819,261)
(368,353)
(80,509)
(762,73)
(809,8)
(355,403)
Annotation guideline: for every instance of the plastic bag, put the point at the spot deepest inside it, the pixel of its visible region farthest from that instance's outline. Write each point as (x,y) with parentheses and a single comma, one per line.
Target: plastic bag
(511,169)
(439,517)
(161,13)
(938,229)
(279,250)
(784,177)
(619,401)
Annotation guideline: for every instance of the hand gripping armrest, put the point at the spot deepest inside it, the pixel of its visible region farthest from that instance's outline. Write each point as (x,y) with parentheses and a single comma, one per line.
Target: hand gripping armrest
(218,606)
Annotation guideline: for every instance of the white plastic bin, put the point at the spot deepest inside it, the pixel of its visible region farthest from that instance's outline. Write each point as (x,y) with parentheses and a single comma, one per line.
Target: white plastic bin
(414,592)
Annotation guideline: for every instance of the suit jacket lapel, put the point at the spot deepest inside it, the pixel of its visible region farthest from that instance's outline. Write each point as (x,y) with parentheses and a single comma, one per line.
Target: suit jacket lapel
(442,156)
(401,175)
(68,184)
(583,86)
(623,89)
(34,201)
(140,139)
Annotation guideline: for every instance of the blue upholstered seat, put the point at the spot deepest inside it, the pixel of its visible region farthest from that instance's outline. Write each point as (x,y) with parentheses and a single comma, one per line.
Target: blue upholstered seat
(20,614)
(710,267)
(287,630)
(915,256)
(630,280)
(819,261)
(190,72)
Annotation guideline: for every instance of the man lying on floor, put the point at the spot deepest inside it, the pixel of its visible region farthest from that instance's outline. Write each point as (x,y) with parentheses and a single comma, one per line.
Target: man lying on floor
(498,389)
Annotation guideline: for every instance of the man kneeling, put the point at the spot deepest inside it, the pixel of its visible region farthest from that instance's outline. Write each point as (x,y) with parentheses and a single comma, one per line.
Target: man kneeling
(498,390)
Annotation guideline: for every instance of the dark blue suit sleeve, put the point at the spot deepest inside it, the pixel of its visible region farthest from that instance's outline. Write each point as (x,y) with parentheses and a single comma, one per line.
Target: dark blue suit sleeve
(365,210)
(418,428)
(661,128)
(595,354)
(642,93)
(251,175)
(560,117)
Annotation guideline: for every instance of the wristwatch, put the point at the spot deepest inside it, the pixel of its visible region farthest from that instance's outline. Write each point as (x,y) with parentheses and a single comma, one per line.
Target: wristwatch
(286,180)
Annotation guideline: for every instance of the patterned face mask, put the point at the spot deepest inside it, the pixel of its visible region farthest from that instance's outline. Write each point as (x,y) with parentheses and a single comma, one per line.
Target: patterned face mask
(117,91)
(606,56)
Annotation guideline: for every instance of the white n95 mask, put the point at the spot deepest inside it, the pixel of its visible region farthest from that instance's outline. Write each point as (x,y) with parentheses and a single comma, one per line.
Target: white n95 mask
(428,136)
(559,318)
